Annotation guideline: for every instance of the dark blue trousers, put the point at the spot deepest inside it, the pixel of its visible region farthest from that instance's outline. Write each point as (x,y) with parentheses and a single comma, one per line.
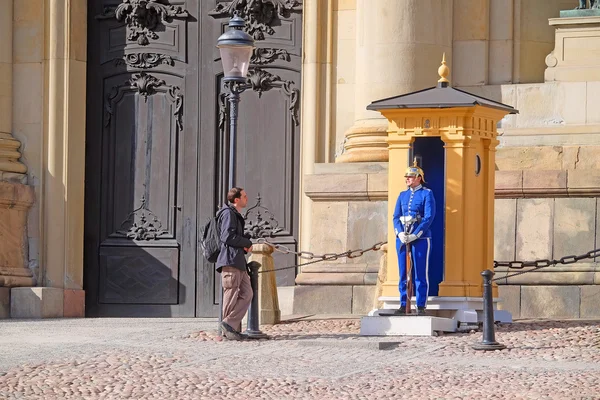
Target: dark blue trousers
(420,250)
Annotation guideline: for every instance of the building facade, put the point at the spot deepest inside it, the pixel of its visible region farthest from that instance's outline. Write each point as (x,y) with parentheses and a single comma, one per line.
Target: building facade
(112,115)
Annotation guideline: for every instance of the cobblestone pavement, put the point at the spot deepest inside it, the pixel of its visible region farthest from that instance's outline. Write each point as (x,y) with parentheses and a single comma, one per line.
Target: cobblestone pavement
(319,359)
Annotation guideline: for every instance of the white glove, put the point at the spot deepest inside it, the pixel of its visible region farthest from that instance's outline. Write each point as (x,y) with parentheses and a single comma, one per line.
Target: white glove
(410,238)
(402,236)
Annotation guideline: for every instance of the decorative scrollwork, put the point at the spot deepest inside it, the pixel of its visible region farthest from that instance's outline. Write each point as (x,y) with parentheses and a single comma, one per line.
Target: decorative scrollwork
(264,55)
(142,17)
(144,60)
(259,14)
(142,224)
(263,81)
(259,227)
(146,85)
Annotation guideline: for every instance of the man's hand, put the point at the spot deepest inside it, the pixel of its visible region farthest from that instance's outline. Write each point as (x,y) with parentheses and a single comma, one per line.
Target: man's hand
(248,249)
(402,236)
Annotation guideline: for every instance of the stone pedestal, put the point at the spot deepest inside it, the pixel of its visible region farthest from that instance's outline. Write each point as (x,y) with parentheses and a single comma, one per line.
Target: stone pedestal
(576,55)
(15,201)
(405,326)
(268,302)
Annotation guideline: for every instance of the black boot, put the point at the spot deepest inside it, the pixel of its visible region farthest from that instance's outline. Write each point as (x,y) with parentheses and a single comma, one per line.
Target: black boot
(400,311)
(421,311)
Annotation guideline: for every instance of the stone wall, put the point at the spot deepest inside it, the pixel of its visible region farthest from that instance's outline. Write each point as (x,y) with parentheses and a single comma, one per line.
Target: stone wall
(530,227)
(349,211)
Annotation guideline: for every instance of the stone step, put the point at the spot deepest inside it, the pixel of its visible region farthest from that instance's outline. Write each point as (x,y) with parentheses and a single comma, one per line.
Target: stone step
(408,325)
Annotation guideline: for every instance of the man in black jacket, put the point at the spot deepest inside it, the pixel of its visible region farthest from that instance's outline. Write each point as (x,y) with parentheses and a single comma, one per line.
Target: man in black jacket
(231,263)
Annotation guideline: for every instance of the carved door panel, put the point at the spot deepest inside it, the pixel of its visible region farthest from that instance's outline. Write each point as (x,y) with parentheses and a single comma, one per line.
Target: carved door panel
(268,140)
(141,158)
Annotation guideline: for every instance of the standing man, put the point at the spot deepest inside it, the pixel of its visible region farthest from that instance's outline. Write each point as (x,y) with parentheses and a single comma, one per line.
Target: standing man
(231,263)
(413,215)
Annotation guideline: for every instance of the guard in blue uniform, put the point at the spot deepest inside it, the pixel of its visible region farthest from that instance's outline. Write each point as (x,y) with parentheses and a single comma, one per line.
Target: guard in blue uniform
(413,215)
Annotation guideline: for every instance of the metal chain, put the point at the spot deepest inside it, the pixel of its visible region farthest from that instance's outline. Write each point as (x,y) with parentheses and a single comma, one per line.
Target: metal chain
(542,263)
(315,258)
(519,265)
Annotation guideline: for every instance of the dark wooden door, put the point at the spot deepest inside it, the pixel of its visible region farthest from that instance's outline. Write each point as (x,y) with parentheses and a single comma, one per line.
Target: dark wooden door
(268,139)
(156,117)
(141,158)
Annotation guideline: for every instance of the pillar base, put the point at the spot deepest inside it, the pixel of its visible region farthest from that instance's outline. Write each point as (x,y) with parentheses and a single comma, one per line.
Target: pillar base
(364,155)
(46,302)
(9,154)
(12,277)
(366,141)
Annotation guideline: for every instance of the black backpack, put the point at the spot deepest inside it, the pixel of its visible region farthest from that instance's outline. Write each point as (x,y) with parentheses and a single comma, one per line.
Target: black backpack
(210,240)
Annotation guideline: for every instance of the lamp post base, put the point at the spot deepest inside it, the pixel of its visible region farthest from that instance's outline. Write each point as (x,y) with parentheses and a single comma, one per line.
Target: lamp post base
(252,334)
(488,346)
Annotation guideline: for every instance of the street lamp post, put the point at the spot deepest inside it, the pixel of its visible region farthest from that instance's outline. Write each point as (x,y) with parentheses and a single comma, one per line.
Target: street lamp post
(235,47)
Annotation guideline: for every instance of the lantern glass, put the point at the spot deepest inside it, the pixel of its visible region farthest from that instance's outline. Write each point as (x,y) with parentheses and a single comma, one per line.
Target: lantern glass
(236,60)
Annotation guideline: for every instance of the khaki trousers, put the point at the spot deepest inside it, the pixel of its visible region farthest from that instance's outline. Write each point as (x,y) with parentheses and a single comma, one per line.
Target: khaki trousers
(237,295)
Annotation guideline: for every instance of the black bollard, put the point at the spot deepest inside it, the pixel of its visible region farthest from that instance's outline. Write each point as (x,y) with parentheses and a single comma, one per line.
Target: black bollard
(253,330)
(489,334)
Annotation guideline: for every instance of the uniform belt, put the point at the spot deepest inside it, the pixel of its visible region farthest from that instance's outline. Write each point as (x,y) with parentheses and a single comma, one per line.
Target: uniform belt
(409,219)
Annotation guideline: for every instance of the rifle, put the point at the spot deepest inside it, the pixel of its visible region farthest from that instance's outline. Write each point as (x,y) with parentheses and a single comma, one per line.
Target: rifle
(408,277)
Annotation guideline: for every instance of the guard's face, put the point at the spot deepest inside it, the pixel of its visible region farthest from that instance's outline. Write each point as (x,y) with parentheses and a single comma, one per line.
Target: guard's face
(412,181)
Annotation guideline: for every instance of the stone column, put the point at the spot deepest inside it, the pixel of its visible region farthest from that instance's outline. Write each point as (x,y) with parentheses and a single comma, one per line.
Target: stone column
(470,47)
(398,48)
(268,302)
(15,198)
(9,146)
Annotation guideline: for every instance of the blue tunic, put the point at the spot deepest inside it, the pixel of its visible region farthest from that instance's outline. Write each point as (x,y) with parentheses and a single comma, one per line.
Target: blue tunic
(414,213)
(419,204)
